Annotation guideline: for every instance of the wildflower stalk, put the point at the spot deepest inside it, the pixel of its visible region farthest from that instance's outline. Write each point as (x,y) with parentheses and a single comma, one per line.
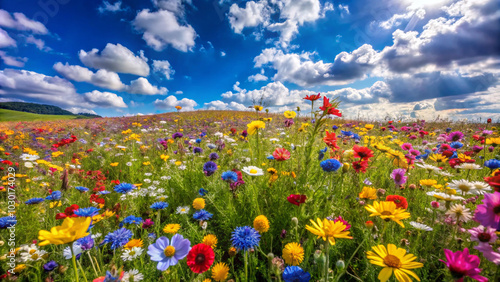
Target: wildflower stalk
(92,262)
(83,272)
(245,255)
(327,261)
(73,260)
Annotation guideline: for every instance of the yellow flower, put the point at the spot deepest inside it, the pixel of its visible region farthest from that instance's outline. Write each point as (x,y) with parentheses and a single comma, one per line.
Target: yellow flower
(133,243)
(55,204)
(19,268)
(113,164)
(171,228)
(199,203)
(72,229)
(328,230)
(438,158)
(369,126)
(220,271)
(146,163)
(178,108)
(387,211)
(493,141)
(428,182)
(258,108)
(254,126)
(290,114)
(178,163)
(210,240)
(293,253)
(261,224)
(164,157)
(368,193)
(393,259)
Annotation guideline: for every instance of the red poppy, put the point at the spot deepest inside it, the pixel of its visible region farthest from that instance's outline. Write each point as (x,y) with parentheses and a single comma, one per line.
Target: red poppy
(454,162)
(313,97)
(297,199)
(390,122)
(326,104)
(68,212)
(488,120)
(281,154)
(331,140)
(362,152)
(360,166)
(200,258)
(494,181)
(447,153)
(335,112)
(400,201)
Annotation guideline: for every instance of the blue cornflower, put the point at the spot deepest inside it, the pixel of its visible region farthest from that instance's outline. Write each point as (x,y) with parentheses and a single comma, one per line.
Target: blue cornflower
(202,215)
(103,192)
(211,146)
(131,220)
(454,155)
(151,236)
(197,150)
(346,133)
(86,242)
(118,238)
(7,221)
(203,134)
(209,168)
(245,237)
(33,201)
(83,141)
(81,188)
(159,205)
(456,145)
(335,127)
(54,196)
(213,156)
(492,164)
(295,274)
(202,192)
(87,212)
(321,153)
(198,141)
(330,165)
(49,266)
(229,176)
(111,277)
(356,136)
(448,129)
(124,188)
(271,157)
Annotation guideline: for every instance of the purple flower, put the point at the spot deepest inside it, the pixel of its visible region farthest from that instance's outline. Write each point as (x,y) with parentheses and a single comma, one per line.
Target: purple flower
(213,156)
(197,150)
(147,223)
(455,136)
(483,234)
(462,264)
(49,266)
(168,253)
(209,168)
(489,253)
(477,148)
(288,122)
(398,175)
(488,213)
(177,135)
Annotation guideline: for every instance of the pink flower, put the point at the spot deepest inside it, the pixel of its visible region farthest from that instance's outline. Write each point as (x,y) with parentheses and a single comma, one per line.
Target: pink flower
(398,175)
(483,234)
(147,223)
(281,154)
(462,264)
(489,253)
(406,146)
(488,213)
(339,218)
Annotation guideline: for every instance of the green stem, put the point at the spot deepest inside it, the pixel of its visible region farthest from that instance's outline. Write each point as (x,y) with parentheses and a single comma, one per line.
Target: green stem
(327,262)
(83,272)
(245,255)
(73,259)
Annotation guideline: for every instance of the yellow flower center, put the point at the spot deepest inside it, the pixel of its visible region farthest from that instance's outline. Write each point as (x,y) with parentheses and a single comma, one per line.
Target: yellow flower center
(169,251)
(392,261)
(253,171)
(386,213)
(132,253)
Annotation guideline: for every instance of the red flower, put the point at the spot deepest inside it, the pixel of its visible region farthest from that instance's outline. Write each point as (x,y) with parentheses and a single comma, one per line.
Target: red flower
(447,153)
(454,162)
(297,199)
(200,258)
(360,166)
(326,104)
(116,182)
(488,120)
(333,111)
(281,154)
(494,181)
(400,201)
(362,152)
(68,212)
(313,97)
(390,122)
(331,140)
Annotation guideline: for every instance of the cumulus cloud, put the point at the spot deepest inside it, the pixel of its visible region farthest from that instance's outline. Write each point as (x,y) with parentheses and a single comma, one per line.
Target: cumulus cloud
(21,22)
(6,40)
(219,105)
(142,86)
(398,19)
(12,61)
(171,101)
(112,8)
(115,58)
(105,99)
(254,14)
(162,28)
(257,77)
(164,68)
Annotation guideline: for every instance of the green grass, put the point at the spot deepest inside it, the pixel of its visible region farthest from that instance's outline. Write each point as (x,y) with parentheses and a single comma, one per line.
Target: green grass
(8,115)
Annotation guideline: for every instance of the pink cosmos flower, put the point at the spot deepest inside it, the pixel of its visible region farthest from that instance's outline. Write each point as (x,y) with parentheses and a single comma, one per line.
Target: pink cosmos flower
(488,213)
(489,253)
(483,234)
(462,264)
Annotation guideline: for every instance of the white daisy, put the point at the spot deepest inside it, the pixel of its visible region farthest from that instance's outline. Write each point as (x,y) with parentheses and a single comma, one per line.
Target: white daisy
(182,210)
(31,253)
(459,212)
(469,166)
(420,226)
(444,173)
(253,171)
(480,187)
(274,140)
(129,164)
(428,167)
(462,185)
(148,174)
(130,255)
(132,276)
(95,236)
(444,196)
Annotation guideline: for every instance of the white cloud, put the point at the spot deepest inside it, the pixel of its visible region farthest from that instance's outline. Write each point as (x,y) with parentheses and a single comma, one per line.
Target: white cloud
(12,61)
(76,73)
(105,99)
(39,43)
(300,11)
(116,58)
(164,68)
(142,86)
(219,105)
(171,101)
(78,110)
(107,79)
(287,30)
(113,8)
(254,14)
(161,28)
(257,77)
(21,22)
(178,92)
(222,53)
(6,40)
(397,19)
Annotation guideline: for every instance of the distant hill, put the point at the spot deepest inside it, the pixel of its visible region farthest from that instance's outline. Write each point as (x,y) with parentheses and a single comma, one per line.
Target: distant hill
(8,115)
(40,109)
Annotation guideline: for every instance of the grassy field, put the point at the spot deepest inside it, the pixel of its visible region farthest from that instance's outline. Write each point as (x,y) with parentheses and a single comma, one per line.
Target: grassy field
(8,115)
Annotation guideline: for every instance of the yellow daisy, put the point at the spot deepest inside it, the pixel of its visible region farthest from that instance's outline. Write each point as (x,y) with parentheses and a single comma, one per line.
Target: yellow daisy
(394,259)
(387,211)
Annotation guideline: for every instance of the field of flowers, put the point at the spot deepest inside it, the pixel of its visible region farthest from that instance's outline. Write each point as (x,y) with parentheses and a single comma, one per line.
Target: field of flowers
(249,196)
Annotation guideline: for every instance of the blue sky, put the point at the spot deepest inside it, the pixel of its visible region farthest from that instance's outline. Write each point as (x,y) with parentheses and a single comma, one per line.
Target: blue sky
(382,59)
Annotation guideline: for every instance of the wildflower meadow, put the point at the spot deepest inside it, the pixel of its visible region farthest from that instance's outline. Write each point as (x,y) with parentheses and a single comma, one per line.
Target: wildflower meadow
(303,195)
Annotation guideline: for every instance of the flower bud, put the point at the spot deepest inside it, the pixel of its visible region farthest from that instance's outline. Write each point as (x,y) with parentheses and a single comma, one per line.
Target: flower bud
(62,269)
(435,204)
(412,186)
(295,221)
(380,192)
(340,264)
(270,256)
(369,224)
